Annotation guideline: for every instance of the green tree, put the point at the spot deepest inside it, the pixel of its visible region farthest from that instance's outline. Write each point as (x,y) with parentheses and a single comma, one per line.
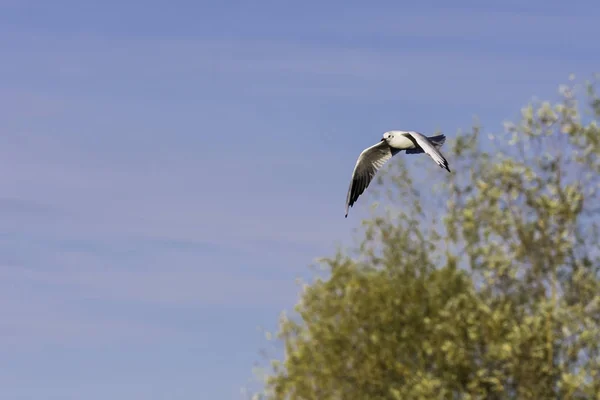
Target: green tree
(486,286)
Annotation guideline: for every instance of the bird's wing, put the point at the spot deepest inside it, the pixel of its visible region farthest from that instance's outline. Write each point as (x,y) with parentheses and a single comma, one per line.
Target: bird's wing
(429,148)
(369,162)
(437,141)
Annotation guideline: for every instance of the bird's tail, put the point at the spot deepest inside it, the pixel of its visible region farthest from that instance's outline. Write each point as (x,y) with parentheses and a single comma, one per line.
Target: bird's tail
(438,140)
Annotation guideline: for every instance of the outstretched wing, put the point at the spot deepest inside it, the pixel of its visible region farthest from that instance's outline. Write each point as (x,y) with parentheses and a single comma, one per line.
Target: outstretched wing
(429,146)
(369,162)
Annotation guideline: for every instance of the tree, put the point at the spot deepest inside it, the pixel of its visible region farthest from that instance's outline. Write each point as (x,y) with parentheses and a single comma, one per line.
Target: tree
(495,296)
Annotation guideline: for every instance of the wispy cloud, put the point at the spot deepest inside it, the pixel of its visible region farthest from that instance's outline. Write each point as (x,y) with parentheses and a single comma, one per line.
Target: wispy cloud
(35,318)
(494,30)
(268,68)
(186,283)
(11,206)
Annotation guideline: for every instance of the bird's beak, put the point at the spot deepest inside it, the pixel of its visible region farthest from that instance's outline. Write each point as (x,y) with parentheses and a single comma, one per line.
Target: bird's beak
(383,139)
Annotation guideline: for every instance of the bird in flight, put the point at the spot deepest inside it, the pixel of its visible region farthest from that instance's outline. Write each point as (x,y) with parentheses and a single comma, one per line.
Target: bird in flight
(373,158)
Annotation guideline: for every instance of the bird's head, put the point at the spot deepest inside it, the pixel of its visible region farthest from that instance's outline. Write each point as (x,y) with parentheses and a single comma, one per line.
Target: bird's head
(387,136)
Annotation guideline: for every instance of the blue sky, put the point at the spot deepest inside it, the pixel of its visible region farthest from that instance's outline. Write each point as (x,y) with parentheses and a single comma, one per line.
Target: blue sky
(167,169)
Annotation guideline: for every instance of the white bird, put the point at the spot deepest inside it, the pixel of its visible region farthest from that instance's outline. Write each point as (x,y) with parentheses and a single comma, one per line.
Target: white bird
(373,158)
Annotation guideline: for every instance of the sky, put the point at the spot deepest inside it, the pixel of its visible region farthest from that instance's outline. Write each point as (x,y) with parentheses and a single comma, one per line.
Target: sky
(168,169)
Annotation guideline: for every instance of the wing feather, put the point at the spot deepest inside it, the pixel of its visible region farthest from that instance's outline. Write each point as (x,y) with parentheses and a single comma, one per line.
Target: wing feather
(430,147)
(369,162)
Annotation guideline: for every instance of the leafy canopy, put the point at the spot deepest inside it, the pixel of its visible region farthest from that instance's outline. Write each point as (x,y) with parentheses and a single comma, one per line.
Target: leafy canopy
(486,286)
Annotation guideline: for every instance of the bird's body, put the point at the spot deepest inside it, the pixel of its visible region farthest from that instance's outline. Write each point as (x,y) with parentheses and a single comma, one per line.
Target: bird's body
(372,158)
(399,141)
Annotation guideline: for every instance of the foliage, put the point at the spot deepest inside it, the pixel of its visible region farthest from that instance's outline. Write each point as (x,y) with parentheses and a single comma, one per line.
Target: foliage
(500,299)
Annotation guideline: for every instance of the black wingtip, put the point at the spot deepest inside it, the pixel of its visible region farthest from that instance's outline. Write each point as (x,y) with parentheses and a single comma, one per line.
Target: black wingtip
(445,166)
